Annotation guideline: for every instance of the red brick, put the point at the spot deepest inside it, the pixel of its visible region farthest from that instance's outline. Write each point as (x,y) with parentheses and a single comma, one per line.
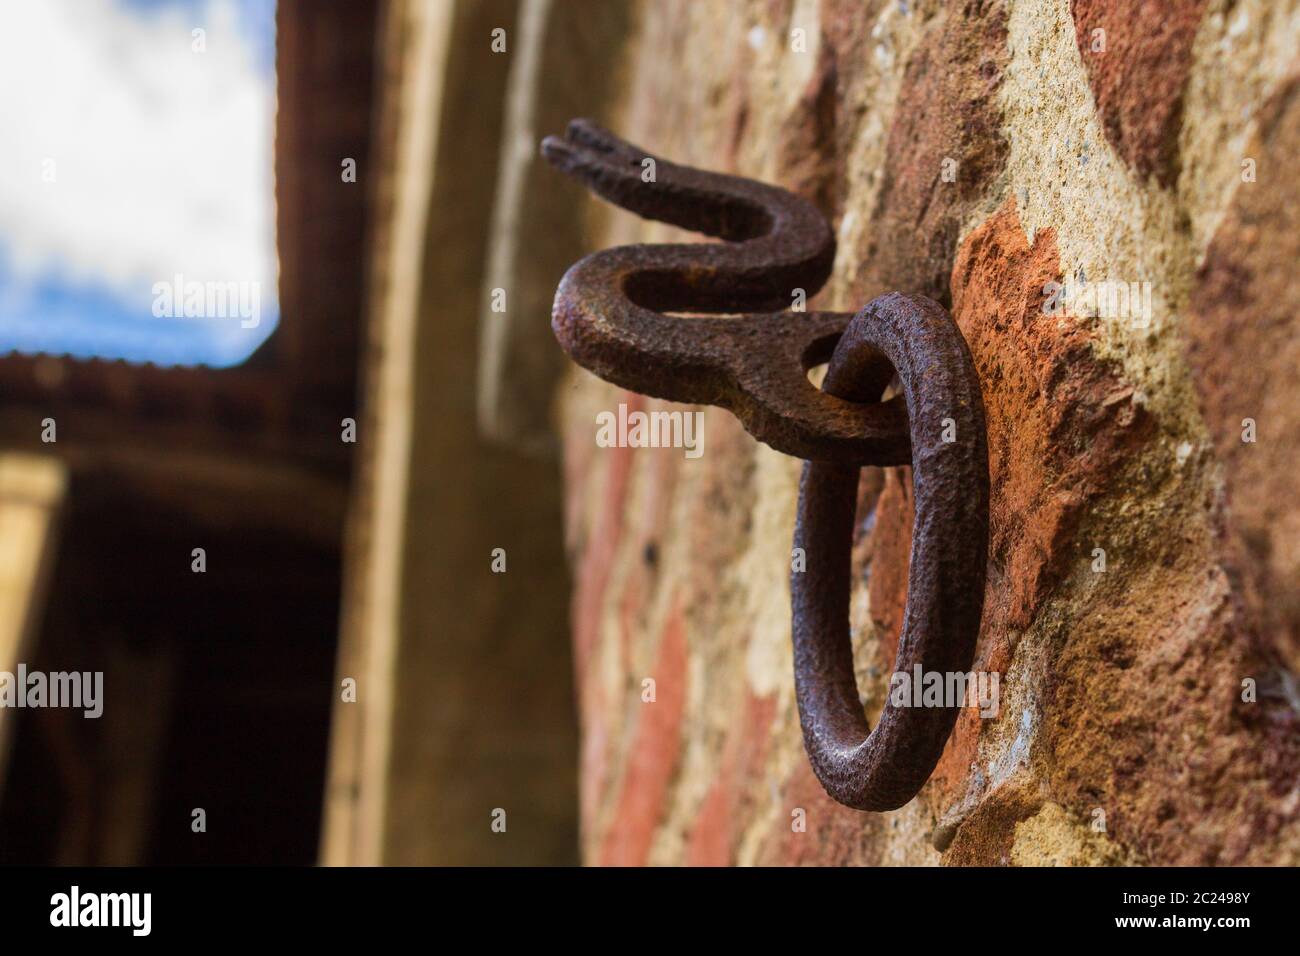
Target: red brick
(1243,336)
(652,755)
(946,110)
(1060,421)
(597,556)
(1140,79)
(729,802)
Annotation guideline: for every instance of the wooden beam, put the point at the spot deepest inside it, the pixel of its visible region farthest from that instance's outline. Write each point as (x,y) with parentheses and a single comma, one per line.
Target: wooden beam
(415,51)
(32,493)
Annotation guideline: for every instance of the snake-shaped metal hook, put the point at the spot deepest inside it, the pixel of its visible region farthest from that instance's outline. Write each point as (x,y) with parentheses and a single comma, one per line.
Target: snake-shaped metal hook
(610,316)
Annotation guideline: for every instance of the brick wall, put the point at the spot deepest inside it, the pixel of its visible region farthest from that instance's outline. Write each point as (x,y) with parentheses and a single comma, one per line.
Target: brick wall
(1159,150)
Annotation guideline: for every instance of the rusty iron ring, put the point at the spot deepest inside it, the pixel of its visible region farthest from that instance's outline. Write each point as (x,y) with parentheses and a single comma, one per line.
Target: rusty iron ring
(610,309)
(882,769)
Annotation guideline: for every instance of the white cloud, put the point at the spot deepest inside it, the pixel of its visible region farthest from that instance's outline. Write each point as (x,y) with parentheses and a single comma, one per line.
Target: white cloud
(162,155)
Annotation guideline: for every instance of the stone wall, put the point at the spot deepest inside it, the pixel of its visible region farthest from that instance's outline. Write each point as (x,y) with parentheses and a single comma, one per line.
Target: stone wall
(1148,711)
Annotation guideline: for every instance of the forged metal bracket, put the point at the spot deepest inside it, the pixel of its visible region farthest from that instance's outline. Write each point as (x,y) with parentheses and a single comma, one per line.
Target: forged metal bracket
(610,316)
(609,309)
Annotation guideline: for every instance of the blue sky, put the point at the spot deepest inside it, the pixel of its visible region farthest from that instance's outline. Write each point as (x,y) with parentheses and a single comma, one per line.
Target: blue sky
(128,158)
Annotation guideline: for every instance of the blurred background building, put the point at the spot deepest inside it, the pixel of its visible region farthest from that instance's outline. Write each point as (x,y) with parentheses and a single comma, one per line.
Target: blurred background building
(347,679)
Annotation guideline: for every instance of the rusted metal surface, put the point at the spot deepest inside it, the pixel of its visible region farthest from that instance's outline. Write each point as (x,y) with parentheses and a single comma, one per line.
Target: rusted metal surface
(883,768)
(610,316)
(609,309)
